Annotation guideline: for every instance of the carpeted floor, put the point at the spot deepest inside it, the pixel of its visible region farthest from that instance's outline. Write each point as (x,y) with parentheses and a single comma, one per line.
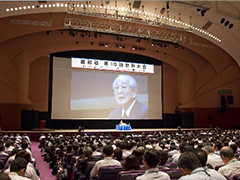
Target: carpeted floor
(42,166)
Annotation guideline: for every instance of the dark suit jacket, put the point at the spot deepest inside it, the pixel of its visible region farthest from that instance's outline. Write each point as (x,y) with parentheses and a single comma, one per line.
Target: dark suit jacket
(139,111)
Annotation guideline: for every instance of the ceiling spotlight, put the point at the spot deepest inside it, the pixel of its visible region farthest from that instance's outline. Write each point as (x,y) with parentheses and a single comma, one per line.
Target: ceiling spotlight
(230,26)
(222,20)
(226,23)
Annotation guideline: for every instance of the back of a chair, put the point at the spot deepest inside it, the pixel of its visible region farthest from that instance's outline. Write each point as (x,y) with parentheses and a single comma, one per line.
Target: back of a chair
(130,175)
(171,165)
(174,173)
(89,167)
(109,172)
(2,164)
(236,177)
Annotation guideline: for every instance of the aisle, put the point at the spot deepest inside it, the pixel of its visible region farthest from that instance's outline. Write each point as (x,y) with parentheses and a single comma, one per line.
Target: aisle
(42,166)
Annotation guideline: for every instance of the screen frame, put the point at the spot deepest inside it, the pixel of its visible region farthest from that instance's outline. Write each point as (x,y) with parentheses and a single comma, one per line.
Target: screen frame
(100,54)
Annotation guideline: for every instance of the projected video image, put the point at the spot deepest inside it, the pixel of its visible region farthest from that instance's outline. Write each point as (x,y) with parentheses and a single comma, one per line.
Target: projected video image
(95,94)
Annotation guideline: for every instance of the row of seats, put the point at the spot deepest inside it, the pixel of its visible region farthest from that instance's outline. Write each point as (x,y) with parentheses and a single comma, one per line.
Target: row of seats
(116,173)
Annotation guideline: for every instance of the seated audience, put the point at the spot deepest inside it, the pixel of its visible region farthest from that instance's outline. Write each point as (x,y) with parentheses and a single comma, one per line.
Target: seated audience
(163,159)
(192,168)
(202,156)
(11,158)
(232,165)
(138,155)
(131,163)
(127,151)
(87,156)
(118,154)
(107,161)
(217,146)
(30,171)
(213,159)
(18,168)
(151,161)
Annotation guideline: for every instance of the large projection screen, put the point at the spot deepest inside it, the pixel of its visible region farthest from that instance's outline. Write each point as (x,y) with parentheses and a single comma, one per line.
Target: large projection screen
(88,94)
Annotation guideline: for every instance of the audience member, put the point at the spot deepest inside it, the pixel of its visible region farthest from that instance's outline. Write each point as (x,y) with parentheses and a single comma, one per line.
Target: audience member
(163,159)
(232,165)
(138,155)
(151,161)
(18,168)
(192,168)
(202,156)
(87,156)
(131,163)
(212,158)
(107,161)
(118,154)
(217,146)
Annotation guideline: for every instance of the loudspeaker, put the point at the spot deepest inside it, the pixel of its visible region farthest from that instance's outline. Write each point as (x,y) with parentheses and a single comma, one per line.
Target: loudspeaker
(229,99)
(171,120)
(223,103)
(187,120)
(29,119)
(136,4)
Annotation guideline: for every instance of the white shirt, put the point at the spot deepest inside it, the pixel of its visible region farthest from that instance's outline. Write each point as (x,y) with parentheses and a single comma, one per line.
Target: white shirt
(108,161)
(129,109)
(176,157)
(30,172)
(155,174)
(15,176)
(214,160)
(202,174)
(230,169)
(126,153)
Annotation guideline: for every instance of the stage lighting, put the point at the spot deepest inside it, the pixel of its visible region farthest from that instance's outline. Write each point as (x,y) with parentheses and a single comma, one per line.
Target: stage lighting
(226,23)
(222,20)
(230,26)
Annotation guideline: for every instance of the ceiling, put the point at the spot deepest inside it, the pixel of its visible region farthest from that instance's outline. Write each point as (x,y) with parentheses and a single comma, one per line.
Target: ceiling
(189,12)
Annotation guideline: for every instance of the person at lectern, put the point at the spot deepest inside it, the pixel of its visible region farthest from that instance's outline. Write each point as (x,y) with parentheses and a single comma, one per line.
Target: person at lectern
(125,91)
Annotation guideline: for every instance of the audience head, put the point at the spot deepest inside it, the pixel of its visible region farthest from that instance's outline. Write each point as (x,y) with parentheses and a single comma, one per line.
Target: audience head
(201,155)
(118,153)
(22,153)
(19,165)
(139,155)
(187,162)
(234,147)
(209,149)
(131,163)
(163,157)
(151,158)
(107,150)
(217,146)
(87,151)
(227,154)
(24,144)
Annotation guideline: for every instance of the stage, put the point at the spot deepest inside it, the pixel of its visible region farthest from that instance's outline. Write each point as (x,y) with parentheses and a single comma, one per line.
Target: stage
(34,134)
